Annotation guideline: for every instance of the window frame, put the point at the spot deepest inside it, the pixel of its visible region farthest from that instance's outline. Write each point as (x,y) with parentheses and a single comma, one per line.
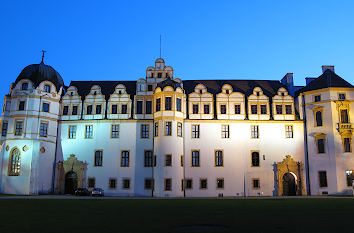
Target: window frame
(256,187)
(69,132)
(168,128)
(217,156)
(201,182)
(148,158)
(98,157)
(289,133)
(225,131)
(217,183)
(254,131)
(165,184)
(125,161)
(168,160)
(144,131)
(195,133)
(115,183)
(15,128)
(115,132)
(324,184)
(259,158)
(179,129)
(44,130)
(195,162)
(86,132)
(168,104)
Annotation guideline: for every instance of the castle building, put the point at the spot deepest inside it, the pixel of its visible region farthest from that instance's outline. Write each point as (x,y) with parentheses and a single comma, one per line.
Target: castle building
(164,137)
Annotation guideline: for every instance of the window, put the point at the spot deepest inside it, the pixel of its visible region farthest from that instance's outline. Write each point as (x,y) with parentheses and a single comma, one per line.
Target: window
(321,145)
(323,178)
(195,158)
(74,112)
(254,131)
(72,131)
(341,96)
(279,109)
(189,184)
(114,109)
(255,159)
(168,128)
(148,159)
(263,109)
(91,182)
(158,104)
(65,110)
(347,146)
(148,184)
(139,107)
(115,131)
(195,131)
(144,131)
(124,161)
(98,109)
(112,183)
(21,106)
(168,184)
(168,160)
(195,108)
(223,109)
(156,129)
(256,184)
(318,116)
(124,109)
(237,109)
(179,129)
(220,183)
(7,106)
(203,183)
(88,131)
(43,130)
(350,177)
(179,105)
(98,158)
(18,129)
(206,108)
(4,129)
(317,98)
(168,103)
(159,75)
(89,110)
(288,109)
(289,133)
(45,107)
(182,160)
(24,86)
(225,131)
(219,160)
(148,106)
(47,88)
(149,87)
(254,109)
(344,116)
(15,163)
(126,184)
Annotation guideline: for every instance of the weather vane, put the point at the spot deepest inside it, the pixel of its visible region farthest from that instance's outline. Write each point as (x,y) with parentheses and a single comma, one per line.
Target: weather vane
(43,51)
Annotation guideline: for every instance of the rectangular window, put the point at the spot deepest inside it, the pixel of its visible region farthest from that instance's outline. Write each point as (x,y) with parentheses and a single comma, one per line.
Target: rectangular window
(254,109)
(115,131)
(195,108)
(225,131)
(144,131)
(256,183)
(195,131)
(182,160)
(189,183)
(203,183)
(254,131)
(168,184)
(350,177)
(148,159)
(168,160)
(195,158)
(206,108)
(4,129)
(341,96)
(139,107)
(323,178)
(168,128)
(179,105)
(148,184)
(320,145)
(149,87)
(263,109)
(158,104)
(344,116)
(347,146)
(148,107)
(168,103)
(279,109)
(74,112)
(89,110)
(65,110)
(112,183)
(159,75)
(91,182)
(255,159)
(72,131)
(317,98)
(126,183)
(21,106)
(179,129)
(219,160)
(114,109)
(289,133)
(19,127)
(222,109)
(124,161)
(237,109)
(7,106)
(98,109)
(45,107)
(220,183)
(98,158)
(88,131)
(43,130)
(124,109)
(288,109)
(156,129)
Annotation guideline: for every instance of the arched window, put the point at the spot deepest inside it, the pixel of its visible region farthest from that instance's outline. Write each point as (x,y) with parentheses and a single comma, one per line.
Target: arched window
(318,118)
(47,88)
(255,159)
(15,163)
(24,86)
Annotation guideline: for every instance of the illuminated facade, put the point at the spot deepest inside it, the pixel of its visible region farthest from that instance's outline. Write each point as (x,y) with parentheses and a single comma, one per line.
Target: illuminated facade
(161,136)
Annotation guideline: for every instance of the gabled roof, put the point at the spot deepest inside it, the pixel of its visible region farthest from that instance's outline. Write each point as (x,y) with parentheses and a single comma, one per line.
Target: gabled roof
(327,79)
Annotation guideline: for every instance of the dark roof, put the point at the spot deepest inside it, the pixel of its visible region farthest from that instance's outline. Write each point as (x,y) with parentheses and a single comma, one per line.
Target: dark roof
(327,79)
(169,82)
(38,73)
(107,87)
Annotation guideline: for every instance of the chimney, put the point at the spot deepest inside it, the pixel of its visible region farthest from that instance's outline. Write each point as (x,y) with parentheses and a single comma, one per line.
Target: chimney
(324,68)
(308,80)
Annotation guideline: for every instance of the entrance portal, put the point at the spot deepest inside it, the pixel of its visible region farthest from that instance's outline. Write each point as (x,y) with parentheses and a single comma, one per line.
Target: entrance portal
(289,185)
(70,182)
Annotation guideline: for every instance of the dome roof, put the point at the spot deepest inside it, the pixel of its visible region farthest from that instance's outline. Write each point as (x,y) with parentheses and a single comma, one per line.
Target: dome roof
(38,73)
(169,82)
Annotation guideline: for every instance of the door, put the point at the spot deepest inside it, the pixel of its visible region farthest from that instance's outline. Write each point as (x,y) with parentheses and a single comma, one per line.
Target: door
(289,185)
(70,182)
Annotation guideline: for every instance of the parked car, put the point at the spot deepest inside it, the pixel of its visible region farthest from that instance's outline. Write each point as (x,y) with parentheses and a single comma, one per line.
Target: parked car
(82,192)
(97,192)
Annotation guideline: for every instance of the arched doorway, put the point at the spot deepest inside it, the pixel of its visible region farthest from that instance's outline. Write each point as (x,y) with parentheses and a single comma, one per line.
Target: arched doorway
(70,182)
(289,184)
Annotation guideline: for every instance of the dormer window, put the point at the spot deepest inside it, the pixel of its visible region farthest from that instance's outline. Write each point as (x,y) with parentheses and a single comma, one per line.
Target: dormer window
(71,93)
(341,96)
(149,87)
(159,75)
(282,94)
(47,88)
(119,92)
(257,93)
(152,75)
(317,98)
(200,91)
(24,86)
(94,93)
(227,91)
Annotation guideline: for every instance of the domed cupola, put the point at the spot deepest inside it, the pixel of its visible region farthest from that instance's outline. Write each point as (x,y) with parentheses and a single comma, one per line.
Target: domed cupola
(38,73)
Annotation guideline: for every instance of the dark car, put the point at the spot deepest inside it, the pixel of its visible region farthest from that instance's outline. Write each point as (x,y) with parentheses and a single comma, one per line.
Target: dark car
(97,192)
(82,192)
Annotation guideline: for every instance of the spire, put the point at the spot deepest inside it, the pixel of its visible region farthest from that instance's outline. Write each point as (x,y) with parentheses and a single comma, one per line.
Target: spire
(43,51)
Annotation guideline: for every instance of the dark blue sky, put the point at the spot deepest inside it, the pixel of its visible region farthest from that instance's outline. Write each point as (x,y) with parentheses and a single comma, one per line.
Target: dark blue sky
(118,40)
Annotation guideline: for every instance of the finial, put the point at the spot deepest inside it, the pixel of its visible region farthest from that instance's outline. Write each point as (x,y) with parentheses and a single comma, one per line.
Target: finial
(43,51)
(160,45)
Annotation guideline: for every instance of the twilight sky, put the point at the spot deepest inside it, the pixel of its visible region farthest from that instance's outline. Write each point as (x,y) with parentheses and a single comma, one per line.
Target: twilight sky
(118,40)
